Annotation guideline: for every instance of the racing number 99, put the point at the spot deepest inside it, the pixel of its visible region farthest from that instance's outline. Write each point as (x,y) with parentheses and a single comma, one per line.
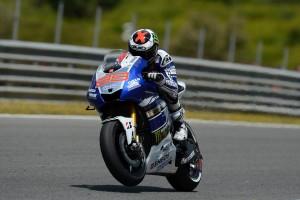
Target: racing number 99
(112,77)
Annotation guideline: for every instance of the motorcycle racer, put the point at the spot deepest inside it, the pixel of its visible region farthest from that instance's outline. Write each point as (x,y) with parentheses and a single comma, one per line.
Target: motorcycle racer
(161,70)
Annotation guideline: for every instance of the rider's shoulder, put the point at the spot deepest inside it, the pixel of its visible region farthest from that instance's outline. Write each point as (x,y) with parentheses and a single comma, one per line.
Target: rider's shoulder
(164,59)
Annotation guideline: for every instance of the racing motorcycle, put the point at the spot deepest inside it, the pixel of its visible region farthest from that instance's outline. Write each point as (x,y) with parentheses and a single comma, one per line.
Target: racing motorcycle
(137,130)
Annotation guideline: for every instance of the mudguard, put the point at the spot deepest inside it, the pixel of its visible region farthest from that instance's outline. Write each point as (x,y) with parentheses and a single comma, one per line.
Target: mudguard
(127,124)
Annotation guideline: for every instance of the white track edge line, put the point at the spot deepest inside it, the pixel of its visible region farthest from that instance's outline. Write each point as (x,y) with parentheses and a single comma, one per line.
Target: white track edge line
(207,122)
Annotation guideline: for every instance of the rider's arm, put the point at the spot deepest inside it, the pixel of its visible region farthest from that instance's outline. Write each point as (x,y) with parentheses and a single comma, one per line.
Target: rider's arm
(167,68)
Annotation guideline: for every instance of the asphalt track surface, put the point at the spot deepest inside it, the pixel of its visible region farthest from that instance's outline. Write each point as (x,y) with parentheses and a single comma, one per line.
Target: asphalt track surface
(43,158)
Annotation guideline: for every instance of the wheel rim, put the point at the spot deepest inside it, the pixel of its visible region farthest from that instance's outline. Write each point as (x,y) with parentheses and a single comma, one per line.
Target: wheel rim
(130,158)
(196,170)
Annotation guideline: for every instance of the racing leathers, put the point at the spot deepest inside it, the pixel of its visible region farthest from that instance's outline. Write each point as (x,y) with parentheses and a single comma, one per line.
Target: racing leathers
(163,73)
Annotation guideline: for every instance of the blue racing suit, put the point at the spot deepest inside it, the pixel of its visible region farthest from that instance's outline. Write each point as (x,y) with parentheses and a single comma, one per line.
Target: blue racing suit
(168,87)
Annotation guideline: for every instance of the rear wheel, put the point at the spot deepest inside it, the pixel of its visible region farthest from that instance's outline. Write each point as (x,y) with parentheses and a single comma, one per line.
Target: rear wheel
(188,175)
(124,163)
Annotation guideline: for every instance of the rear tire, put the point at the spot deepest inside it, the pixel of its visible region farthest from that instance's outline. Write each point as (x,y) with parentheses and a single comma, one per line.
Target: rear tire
(184,179)
(112,155)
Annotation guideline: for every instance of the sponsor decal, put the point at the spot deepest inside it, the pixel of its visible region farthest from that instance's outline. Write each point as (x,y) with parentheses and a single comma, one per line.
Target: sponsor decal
(128,125)
(155,38)
(110,78)
(110,86)
(141,37)
(166,147)
(92,95)
(185,160)
(160,161)
(161,134)
(133,84)
(148,100)
(106,87)
(138,47)
(165,164)
(171,71)
(167,59)
(171,83)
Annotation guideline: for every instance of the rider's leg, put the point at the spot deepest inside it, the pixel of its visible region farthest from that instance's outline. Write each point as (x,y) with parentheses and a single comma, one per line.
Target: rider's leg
(177,112)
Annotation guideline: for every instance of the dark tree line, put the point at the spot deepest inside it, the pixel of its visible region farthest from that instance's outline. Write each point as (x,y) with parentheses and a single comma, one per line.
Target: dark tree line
(80,8)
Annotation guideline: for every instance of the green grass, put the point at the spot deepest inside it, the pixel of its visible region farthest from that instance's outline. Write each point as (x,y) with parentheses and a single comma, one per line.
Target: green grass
(276,24)
(242,116)
(78,108)
(44,107)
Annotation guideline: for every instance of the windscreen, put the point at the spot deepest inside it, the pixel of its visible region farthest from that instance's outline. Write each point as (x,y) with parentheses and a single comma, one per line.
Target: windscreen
(112,60)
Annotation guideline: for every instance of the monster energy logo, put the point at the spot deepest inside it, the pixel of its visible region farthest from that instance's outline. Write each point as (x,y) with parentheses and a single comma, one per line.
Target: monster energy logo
(161,134)
(155,38)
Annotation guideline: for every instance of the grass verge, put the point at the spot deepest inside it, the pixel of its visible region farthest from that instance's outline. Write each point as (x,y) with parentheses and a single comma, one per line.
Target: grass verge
(78,108)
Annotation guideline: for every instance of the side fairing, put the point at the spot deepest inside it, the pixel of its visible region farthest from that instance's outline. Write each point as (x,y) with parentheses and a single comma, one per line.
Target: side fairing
(136,88)
(93,94)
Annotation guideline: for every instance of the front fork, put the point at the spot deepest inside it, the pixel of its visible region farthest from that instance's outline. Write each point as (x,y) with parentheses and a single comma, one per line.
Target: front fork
(129,124)
(135,137)
(136,145)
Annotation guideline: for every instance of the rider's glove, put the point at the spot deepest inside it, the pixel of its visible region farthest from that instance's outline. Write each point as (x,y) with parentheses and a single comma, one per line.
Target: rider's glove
(155,76)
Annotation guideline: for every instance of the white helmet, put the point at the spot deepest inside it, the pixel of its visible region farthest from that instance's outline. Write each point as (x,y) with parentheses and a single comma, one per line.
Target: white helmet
(144,43)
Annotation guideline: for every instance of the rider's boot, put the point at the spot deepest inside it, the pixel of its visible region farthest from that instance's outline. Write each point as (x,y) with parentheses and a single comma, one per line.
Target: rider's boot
(180,130)
(185,151)
(178,122)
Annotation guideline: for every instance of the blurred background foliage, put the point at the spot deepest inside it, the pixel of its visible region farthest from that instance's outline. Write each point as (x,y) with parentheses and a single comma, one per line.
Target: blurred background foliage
(275,22)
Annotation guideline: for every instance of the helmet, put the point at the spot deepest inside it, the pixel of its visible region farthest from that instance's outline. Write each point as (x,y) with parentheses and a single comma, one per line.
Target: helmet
(144,43)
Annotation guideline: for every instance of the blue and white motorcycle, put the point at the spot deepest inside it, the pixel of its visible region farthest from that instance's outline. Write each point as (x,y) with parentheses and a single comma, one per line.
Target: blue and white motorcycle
(137,131)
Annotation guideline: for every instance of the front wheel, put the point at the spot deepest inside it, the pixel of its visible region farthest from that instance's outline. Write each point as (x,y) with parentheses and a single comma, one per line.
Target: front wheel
(124,164)
(188,176)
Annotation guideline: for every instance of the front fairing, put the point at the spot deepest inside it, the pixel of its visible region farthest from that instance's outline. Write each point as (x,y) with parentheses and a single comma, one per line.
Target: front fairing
(124,84)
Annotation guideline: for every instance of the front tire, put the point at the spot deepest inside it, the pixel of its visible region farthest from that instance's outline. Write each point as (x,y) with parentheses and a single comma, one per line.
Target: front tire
(111,140)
